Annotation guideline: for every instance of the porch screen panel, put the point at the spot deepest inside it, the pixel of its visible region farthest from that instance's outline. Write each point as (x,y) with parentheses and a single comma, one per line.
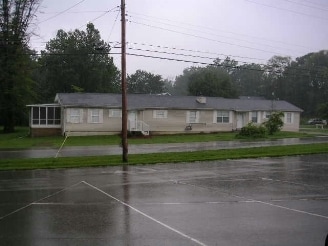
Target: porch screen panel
(51,116)
(35,115)
(57,116)
(43,116)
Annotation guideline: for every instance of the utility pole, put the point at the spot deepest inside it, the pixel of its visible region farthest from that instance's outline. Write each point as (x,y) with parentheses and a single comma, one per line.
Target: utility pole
(124,97)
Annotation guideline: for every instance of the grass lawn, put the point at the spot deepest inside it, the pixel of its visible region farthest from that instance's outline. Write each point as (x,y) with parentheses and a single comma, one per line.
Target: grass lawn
(314,129)
(143,159)
(21,140)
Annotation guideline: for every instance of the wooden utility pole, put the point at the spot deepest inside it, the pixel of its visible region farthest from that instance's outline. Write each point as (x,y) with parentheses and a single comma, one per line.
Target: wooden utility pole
(124,97)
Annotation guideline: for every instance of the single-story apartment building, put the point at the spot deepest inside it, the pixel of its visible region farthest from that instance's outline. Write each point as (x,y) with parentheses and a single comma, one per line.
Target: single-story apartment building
(80,114)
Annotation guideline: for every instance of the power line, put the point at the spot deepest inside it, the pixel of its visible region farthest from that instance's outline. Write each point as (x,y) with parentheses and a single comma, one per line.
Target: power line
(195,51)
(61,12)
(98,17)
(184,60)
(289,10)
(216,30)
(263,67)
(316,3)
(172,53)
(209,39)
(111,31)
(215,34)
(183,55)
(76,12)
(306,5)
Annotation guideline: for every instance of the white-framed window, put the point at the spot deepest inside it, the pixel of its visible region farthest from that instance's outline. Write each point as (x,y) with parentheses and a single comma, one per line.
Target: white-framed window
(74,115)
(192,116)
(45,115)
(95,115)
(254,117)
(267,115)
(289,118)
(115,113)
(160,114)
(222,117)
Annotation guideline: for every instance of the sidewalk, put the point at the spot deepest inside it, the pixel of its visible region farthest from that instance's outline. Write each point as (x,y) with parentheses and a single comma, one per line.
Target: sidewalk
(153,148)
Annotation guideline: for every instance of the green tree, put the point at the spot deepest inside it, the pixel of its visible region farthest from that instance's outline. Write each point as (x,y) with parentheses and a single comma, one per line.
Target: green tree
(306,82)
(15,76)
(274,123)
(146,83)
(168,86)
(229,65)
(181,83)
(248,79)
(274,80)
(77,60)
(211,81)
(323,110)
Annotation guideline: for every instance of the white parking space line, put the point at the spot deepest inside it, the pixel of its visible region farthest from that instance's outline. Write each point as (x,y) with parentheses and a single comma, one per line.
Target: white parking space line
(145,215)
(289,182)
(38,201)
(293,210)
(243,198)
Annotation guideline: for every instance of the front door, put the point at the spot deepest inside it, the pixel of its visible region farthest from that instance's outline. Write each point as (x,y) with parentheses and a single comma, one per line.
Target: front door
(132,118)
(240,120)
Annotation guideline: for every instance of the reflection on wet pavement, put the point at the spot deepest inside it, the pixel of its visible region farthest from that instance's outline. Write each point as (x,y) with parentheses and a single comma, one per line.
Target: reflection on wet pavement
(235,202)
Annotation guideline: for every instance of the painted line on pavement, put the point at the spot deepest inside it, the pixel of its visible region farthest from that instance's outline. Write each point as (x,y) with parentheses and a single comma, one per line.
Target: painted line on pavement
(291,209)
(258,201)
(146,215)
(37,201)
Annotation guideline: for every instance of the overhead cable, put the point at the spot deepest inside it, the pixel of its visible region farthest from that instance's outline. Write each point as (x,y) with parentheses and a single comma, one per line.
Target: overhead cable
(62,12)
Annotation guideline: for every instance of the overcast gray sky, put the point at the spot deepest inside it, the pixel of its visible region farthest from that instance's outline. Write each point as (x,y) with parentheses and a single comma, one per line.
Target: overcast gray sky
(195,31)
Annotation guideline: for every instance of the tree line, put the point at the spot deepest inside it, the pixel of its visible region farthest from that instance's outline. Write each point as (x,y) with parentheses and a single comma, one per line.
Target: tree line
(80,61)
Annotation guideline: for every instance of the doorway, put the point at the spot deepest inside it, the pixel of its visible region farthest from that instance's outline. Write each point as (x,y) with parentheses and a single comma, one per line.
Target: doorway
(132,119)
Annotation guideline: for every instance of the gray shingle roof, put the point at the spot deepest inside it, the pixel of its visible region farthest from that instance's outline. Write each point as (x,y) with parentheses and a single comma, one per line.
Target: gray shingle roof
(146,101)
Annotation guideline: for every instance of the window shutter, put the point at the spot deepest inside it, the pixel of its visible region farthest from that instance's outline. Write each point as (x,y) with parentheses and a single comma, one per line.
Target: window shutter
(81,115)
(292,117)
(89,115)
(68,115)
(101,117)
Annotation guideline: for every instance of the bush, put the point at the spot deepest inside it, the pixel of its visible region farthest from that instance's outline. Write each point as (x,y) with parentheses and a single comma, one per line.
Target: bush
(252,131)
(274,123)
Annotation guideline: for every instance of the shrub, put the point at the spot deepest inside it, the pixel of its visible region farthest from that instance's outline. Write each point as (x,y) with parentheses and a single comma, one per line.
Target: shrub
(252,131)
(274,123)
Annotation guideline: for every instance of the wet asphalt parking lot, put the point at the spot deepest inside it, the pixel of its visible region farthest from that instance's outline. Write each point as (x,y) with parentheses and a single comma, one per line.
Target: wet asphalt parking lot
(270,201)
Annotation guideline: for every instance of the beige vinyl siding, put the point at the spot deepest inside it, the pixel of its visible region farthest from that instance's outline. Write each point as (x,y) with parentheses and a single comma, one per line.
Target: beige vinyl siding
(160,114)
(294,124)
(176,121)
(107,126)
